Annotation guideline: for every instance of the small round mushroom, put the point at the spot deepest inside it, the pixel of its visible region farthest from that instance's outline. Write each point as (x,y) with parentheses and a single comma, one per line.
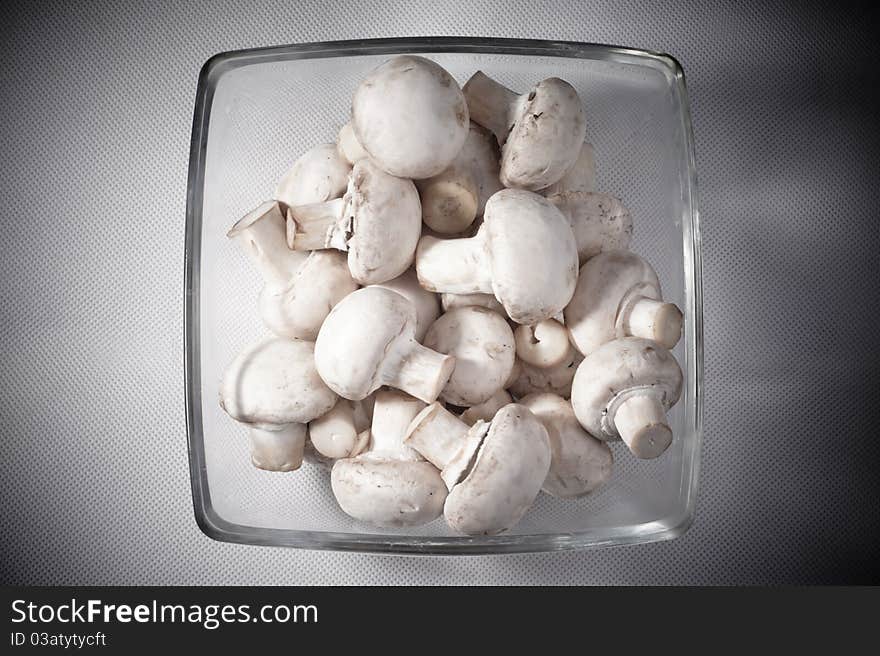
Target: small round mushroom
(483,347)
(344,431)
(487,409)
(410,116)
(623,389)
(618,294)
(580,463)
(390,484)
(273,387)
(540,132)
(452,199)
(543,345)
(320,174)
(425,302)
(493,471)
(348,146)
(599,221)
(488,301)
(378,221)
(368,340)
(580,177)
(557,380)
(298,290)
(524,254)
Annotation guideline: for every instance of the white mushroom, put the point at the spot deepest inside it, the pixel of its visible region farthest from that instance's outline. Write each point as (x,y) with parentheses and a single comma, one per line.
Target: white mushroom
(493,471)
(580,463)
(426,303)
(487,409)
(451,301)
(348,146)
(391,484)
(540,132)
(483,347)
(543,345)
(344,431)
(556,379)
(580,177)
(453,198)
(320,174)
(410,116)
(368,340)
(274,388)
(599,221)
(618,294)
(524,254)
(623,389)
(298,290)
(378,221)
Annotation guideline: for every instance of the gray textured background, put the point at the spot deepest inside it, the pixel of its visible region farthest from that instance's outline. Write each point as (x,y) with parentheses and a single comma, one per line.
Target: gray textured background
(95,117)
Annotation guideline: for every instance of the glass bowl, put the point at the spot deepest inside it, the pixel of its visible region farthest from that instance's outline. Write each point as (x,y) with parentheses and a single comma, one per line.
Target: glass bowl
(257,110)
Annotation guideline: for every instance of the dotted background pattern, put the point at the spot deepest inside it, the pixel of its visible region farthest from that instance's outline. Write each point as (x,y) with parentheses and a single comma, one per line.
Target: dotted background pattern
(96,106)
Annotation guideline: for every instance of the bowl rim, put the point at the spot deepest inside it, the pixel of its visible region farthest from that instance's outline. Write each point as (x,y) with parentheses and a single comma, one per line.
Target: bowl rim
(217,528)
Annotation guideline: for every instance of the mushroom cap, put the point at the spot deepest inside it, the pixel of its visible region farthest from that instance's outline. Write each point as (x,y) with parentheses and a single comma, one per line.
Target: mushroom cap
(532,379)
(549,128)
(507,474)
(614,372)
(297,311)
(275,382)
(544,345)
(427,303)
(386,223)
(318,175)
(600,222)
(410,115)
(357,337)
(580,463)
(534,259)
(605,283)
(483,345)
(389,493)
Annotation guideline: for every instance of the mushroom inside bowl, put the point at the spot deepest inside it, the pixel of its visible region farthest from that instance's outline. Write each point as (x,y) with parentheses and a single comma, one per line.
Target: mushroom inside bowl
(252,120)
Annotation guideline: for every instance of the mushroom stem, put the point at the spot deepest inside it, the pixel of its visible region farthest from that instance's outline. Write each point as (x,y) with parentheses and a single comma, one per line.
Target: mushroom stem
(454,266)
(445,441)
(279,448)
(348,146)
(654,320)
(489,103)
(422,373)
(317,226)
(391,416)
(641,422)
(261,233)
(449,200)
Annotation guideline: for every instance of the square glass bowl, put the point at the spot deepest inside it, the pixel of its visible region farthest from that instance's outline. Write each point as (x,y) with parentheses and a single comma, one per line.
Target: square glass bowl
(258,110)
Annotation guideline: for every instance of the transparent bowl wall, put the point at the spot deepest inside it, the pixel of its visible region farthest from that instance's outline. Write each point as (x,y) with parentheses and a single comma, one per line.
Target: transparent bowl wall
(257,110)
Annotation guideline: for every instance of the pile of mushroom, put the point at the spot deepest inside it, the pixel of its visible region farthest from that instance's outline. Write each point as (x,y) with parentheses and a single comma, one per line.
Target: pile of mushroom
(456,320)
